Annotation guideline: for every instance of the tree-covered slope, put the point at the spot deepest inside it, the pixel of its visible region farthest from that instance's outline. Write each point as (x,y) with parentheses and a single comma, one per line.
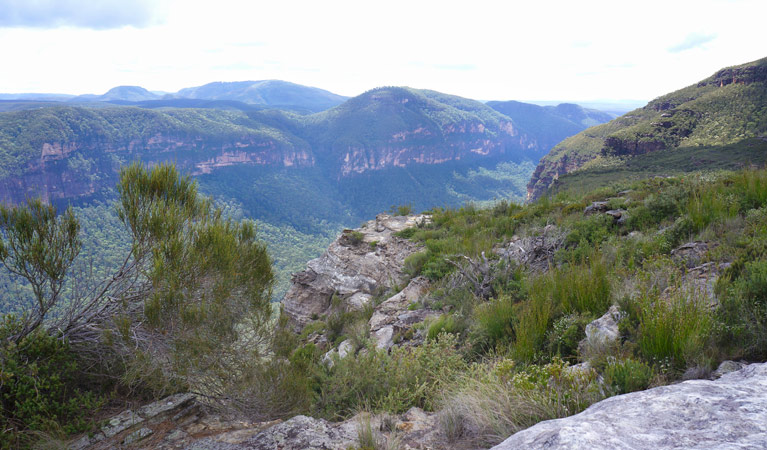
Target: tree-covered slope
(273,93)
(726,110)
(303,177)
(551,124)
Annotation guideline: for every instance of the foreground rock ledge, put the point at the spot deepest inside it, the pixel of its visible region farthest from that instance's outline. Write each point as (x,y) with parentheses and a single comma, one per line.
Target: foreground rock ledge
(728,413)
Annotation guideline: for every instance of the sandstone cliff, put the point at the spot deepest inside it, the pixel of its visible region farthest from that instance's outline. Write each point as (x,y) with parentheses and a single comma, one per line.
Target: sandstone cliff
(721,111)
(356,266)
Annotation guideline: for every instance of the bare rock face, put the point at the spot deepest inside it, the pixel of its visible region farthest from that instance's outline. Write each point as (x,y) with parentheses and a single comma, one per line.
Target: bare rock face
(393,317)
(357,265)
(730,412)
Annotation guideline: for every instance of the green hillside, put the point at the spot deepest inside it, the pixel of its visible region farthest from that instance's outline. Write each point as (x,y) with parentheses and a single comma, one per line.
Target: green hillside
(302,177)
(274,93)
(725,111)
(552,124)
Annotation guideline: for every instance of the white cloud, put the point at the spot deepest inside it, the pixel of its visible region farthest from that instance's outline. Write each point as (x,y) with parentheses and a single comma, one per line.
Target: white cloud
(484,49)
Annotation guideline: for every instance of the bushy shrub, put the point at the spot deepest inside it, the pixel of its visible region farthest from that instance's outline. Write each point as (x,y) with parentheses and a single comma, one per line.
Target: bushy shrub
(572,289)
(676,330)
(446,323)
(565,334)
(494,400)
(627,375)
(590,231)
(494,323)
(356,237)
(376,381)
(744,311)
(42,387)
(414,263)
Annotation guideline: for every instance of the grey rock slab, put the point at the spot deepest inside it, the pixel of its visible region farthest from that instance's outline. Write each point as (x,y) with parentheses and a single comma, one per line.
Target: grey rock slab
(595,207)
(386,312)
(298,433)
(137,435)
(384,337)
(121,422)
(729,413)
(726,367)
(171,403)
(604,329)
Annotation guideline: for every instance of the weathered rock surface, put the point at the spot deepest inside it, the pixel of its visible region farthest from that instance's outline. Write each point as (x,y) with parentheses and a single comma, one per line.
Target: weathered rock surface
(356,266)
(171,423)
(298,433)
(344,349)
(413,430)
(596,207)
(728,413)
(604,330)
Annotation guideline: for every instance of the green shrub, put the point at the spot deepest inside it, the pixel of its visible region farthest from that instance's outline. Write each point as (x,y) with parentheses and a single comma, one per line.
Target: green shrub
(744,312)
(564,335)
(676,330)
(751,185)
(627,375)
(494,323)
(414,263)
(446,323)
(402,210)
(494,400)
(532,321)
(376,381)
(591,230)
(356,237)
(42,388)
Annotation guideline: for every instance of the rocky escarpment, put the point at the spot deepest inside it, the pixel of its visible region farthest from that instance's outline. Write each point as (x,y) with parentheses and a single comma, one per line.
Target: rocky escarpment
(357,266)
(734,75)
(70,152)
(720,111)
(727,413)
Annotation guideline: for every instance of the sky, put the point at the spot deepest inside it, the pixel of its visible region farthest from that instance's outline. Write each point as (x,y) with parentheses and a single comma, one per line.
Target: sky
(486,50)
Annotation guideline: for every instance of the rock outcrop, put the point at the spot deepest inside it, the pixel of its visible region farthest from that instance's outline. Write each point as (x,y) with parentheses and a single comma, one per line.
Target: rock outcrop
(393,316)
(536,251)
(730,412)
(171,423)
(298,433)
(356,266)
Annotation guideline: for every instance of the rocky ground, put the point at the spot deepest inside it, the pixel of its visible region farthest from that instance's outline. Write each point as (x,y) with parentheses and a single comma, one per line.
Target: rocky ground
(725,412)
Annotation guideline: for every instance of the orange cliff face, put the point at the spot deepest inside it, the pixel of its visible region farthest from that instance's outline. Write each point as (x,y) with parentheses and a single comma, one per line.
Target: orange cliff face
(60,173)
(455,142)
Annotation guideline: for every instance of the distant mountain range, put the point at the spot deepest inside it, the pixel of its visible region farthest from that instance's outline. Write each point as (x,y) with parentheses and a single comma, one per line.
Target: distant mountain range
(385,128)
(265,93)
(717,123)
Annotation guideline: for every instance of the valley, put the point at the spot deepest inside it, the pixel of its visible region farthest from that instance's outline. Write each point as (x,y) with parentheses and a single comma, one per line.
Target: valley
(397,291)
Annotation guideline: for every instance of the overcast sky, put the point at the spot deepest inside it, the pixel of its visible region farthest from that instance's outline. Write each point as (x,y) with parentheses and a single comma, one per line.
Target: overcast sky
(488,50)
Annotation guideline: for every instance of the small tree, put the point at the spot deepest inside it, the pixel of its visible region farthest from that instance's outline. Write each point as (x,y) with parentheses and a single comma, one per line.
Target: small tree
(188,308)
(40,247)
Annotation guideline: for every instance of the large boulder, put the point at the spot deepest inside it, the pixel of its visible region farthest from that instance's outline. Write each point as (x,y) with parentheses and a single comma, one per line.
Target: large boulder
(357,265)
(730,412)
